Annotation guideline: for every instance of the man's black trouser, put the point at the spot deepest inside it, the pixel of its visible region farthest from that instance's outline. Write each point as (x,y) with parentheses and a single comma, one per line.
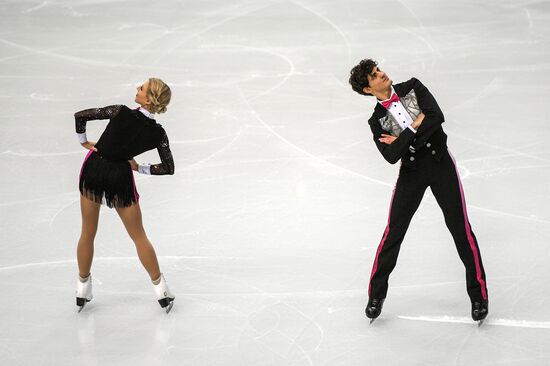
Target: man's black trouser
(443,179)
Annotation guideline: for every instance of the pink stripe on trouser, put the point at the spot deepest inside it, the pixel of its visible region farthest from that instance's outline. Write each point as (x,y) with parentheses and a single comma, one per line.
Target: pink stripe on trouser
(383,241)
(469,234)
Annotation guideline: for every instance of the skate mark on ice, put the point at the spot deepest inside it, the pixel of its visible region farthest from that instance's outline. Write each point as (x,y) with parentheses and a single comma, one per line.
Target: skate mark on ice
(352,117)
(487,321)
(200,141)
(521,148)
(277,301)
(107,259)
(34,200)
(434,53)
(502,213)
(40,155)
(512,152)
(330,23)
(507,169)
(208,21)
(223,149)
(63,208)
(274,329)
(325,162)
(286,76)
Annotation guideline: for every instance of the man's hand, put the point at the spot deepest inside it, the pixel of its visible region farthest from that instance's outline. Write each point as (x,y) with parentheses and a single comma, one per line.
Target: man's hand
(418,121)
(89,145)
(387,139)
(134,164)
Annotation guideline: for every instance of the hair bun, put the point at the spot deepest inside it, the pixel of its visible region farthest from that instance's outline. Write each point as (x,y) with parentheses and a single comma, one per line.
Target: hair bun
(160,94)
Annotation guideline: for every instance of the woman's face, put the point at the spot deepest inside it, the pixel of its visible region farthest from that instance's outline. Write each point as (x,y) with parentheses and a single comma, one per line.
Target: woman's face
(141,95)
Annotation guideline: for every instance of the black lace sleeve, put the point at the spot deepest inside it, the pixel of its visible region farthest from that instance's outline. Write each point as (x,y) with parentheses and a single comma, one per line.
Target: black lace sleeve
(167,161)
(94,113)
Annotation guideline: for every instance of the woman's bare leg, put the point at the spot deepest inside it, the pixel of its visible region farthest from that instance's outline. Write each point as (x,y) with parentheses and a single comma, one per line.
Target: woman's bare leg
(85,249)
(131,218)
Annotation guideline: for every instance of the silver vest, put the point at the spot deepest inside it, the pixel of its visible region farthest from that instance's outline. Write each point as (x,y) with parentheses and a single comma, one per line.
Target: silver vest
(389,123)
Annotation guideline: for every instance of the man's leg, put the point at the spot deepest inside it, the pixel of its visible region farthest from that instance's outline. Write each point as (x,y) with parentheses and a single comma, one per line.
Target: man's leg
(448,192)
(406,198)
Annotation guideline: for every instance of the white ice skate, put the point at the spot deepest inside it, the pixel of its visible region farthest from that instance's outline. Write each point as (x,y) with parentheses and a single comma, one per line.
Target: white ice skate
(83,293)
(164,296)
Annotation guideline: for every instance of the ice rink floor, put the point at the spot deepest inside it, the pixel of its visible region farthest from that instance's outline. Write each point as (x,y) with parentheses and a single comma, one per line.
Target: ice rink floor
(268,230)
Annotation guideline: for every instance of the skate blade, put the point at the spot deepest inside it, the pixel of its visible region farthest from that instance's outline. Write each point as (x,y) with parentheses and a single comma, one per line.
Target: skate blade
(480,322)
(82,306)
(372,321)
(81,302)
(169,307)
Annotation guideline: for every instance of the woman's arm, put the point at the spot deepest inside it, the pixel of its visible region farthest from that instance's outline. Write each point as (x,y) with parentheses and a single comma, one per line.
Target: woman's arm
(167,161)
(86,115)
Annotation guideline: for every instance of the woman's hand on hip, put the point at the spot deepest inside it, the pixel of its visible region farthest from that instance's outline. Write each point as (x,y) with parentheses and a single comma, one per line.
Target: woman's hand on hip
(134,164)
(89,145)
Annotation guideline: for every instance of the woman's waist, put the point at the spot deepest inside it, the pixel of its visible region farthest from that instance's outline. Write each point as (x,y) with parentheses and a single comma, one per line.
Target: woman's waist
(110,157)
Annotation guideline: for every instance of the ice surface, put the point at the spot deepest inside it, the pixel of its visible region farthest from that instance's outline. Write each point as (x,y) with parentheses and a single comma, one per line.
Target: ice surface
(268,230)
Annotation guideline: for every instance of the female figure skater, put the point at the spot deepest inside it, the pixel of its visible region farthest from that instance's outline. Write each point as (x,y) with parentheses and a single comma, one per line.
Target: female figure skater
(106,177)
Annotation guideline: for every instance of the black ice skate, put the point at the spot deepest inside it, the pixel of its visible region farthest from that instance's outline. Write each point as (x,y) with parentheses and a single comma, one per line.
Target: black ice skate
(480,309)
(164,296)
(374,308)
(83,293)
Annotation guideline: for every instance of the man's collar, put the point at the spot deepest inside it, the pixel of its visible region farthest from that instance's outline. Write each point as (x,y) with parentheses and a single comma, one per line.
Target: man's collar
(391,93)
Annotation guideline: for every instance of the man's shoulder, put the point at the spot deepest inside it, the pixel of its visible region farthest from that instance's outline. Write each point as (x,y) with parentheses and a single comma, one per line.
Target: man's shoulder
(379,112)
(406,86)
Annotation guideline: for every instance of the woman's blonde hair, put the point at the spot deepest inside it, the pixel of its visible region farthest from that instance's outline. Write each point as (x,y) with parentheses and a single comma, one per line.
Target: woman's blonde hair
(159,94)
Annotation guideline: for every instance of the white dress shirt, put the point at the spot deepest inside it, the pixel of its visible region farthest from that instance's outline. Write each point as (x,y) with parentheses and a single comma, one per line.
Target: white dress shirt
(399,112)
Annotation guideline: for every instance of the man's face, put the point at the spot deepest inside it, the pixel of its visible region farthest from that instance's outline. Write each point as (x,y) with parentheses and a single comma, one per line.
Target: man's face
(379,82)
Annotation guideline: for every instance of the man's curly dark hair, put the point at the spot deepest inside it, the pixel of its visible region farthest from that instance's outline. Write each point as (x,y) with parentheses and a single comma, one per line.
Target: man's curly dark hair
(359,75)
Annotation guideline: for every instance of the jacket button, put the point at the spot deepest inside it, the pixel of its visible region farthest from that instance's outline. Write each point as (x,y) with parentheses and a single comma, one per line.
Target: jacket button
(411,158)
(433,152)
(428,144)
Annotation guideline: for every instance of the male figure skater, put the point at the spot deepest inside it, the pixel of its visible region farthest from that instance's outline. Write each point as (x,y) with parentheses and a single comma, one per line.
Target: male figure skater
(406,125)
